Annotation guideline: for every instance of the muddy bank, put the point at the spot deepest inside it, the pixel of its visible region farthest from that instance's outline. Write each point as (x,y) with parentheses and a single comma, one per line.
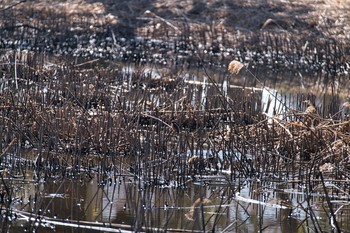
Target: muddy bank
(306,36)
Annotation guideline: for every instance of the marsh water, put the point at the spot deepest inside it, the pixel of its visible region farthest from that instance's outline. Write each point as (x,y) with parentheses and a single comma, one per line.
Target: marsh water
(116,204)
(116,199)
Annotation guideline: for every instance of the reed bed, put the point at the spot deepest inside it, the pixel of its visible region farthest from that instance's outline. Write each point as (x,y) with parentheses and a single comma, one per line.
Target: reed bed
(170,138)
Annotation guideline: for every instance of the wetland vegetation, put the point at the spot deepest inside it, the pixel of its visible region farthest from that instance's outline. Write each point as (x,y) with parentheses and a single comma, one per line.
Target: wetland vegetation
(112,123)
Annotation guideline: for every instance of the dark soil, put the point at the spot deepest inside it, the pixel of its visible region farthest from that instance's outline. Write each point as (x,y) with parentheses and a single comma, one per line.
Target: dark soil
(293,39)
(328,18)
(78,27)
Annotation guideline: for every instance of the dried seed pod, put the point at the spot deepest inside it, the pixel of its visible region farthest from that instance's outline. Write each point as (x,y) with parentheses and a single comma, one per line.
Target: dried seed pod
(234,67)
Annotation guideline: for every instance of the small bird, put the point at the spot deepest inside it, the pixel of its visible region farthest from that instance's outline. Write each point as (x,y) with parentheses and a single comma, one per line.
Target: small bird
(346,110)
(345,126)
(311,108)
(310,114)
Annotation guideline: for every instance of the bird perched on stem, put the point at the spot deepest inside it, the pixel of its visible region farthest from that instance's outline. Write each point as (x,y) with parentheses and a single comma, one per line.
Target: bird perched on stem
(311,108)
(346,110)
(310,113)
(345,125)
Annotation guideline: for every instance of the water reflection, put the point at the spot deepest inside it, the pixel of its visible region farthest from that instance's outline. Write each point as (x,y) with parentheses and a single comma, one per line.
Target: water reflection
(130,205)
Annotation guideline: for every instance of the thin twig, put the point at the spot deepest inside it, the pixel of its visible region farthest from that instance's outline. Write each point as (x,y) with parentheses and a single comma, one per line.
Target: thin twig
(13,5)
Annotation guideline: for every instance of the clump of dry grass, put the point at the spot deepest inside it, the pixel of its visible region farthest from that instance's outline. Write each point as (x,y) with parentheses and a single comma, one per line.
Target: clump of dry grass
(235,67)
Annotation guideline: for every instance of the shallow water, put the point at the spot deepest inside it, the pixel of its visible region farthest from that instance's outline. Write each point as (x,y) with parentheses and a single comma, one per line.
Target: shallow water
(91,202)
(80,204)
